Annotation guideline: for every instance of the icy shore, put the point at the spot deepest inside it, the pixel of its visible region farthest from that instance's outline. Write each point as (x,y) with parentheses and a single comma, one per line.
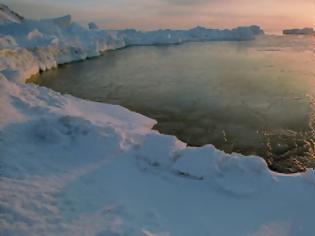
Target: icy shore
(29,46)
(74,167)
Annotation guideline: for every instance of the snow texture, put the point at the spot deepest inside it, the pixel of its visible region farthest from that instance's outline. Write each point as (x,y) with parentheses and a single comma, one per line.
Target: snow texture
(74,167)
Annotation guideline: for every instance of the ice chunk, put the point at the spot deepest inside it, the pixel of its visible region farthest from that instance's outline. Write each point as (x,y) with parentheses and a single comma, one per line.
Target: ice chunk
(92,26)
(305,31)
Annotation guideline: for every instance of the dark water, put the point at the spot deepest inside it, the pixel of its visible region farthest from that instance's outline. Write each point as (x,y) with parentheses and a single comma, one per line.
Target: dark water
(247,97)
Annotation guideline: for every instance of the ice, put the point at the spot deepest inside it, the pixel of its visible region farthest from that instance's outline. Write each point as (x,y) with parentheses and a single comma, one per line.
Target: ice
(304,31)
(92,26)
(133,37)
(74,167)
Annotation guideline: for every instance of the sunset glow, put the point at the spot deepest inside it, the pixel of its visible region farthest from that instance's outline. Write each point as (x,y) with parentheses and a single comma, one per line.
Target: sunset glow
(271,15)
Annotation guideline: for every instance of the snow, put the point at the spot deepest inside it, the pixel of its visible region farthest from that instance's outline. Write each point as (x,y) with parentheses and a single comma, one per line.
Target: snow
(74,167)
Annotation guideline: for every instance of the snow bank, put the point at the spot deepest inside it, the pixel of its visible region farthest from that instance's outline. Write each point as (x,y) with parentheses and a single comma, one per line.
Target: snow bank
(74,167)
(47,43)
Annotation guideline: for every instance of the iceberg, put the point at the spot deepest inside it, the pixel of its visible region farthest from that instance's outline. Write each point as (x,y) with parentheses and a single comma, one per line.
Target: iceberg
(92,26)
(133,37)
(304,31)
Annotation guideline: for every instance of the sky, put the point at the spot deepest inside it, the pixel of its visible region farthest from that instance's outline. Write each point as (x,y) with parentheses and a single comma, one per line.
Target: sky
(271,15)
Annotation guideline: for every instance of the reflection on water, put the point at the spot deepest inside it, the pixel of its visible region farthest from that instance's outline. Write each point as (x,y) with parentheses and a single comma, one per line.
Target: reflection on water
(248,97)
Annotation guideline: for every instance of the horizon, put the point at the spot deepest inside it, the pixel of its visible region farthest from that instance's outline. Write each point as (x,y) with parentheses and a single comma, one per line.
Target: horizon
(174,14)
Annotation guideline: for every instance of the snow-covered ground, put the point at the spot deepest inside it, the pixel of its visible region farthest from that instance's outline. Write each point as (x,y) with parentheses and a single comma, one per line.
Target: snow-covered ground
(74,167)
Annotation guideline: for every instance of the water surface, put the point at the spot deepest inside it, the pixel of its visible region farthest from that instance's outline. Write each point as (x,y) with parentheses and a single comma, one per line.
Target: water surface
(249,97)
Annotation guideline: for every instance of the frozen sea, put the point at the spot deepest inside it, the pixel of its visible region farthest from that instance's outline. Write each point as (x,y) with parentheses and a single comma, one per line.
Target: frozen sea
(251,97)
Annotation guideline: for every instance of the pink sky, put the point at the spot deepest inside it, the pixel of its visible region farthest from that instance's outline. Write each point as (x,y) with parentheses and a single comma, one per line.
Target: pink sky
(272,15)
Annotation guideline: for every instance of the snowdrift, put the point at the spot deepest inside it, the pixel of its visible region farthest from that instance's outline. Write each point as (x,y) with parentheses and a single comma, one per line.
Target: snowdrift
(74,167)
